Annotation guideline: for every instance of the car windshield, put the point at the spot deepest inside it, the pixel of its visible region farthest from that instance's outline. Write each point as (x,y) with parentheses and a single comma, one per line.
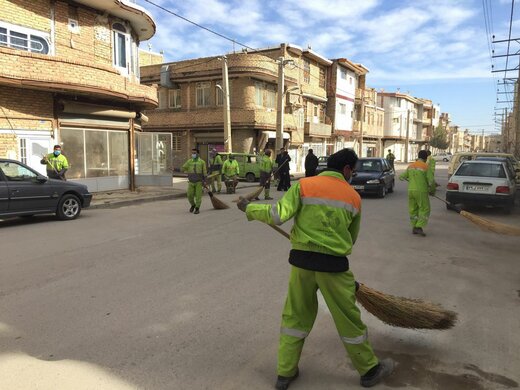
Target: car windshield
(369,166)
(481,170)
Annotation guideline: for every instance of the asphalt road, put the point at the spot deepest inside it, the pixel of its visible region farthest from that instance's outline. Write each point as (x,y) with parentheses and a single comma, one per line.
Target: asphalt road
(152,297)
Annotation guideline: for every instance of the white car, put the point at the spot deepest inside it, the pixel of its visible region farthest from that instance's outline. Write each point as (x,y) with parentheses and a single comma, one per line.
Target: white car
(482,183)
(442,157)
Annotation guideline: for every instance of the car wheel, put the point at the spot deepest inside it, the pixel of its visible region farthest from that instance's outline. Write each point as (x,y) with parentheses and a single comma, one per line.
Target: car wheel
(69,207)
(382,192)
(250,177)
(391,189)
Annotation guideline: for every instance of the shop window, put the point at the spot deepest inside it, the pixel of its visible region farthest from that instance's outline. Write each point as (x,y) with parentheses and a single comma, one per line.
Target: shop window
(22,38)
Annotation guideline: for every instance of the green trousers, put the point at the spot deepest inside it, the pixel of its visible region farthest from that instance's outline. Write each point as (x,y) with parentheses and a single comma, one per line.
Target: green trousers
(195,193)
(301,308)
(419,208)
(218,179)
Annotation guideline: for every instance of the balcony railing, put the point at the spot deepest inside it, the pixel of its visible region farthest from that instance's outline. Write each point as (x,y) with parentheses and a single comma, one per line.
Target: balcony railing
(317,129)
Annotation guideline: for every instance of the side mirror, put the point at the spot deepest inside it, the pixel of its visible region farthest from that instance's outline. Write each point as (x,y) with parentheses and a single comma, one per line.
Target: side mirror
(41,179)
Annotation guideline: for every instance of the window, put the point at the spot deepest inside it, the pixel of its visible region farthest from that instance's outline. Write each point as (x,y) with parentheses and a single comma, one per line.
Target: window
(174,98)
(16,172)
(176,142)
(306,71)
(23,150)
(395,120)
(343,74)
(265,95)
(203,94)
(350,79)
(162,96)
(322,77)
(343,109)
(22,38)
(121,47)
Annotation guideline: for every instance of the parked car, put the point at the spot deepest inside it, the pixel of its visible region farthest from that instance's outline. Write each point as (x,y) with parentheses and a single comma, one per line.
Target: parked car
(482,183)
(515,171)
(443,156)
(322,164)
(466,156)
(248,164)
(374,175)
(24,192)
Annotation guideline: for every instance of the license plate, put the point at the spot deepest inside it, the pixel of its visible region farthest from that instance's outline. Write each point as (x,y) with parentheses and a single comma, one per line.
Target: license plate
(475,188)
(358,187)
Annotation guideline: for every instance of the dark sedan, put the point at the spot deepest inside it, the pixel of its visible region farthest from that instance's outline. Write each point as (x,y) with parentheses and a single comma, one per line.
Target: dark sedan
(24,192)
(374,176)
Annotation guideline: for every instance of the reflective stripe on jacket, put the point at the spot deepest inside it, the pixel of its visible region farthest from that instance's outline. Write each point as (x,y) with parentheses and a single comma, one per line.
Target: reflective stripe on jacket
(196,169)
(326,211)
(419,177)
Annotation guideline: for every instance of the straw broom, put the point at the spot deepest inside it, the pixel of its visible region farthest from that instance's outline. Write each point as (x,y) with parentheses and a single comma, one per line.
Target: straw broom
(399,311)
(258,191)
(483,223)
(216,202)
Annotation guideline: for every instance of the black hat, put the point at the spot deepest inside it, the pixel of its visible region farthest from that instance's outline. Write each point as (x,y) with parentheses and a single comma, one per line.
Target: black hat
(344,157)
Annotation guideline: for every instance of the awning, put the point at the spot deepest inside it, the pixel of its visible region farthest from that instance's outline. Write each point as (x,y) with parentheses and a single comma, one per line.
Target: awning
(272,134)
(314,97)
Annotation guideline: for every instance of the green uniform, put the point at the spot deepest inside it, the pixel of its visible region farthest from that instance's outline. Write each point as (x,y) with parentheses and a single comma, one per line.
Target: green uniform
(420,184)
(327,215)
(230,168)
(196,170)
(216,166)
(56,165)
(266,169)
(390,157)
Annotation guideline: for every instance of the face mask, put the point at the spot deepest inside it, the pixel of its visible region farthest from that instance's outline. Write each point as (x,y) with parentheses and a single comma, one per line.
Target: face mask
(57,152)
(194,155)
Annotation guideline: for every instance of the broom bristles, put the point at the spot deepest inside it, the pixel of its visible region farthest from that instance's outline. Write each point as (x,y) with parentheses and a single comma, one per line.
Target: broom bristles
(492,226)
(252,195)
(405,312)
(216,202)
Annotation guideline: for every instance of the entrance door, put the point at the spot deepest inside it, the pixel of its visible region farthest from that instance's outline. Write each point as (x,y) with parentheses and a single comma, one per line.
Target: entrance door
(154,159)
(32,149)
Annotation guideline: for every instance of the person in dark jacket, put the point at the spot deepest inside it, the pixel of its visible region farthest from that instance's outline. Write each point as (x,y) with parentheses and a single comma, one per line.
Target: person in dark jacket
(283,170)
(311,163)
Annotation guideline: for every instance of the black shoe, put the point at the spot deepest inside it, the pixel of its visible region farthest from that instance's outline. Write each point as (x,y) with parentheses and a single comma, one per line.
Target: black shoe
(196,211)
(192,208)
(421,232)
(268,198)
(384,368)
(283,382)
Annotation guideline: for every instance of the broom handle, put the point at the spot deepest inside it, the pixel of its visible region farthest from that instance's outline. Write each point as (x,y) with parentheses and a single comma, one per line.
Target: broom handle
(458,210)
(280,230)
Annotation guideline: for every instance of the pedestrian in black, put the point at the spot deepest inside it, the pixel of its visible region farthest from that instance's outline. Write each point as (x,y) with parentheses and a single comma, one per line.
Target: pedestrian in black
(283,170)
(311,163)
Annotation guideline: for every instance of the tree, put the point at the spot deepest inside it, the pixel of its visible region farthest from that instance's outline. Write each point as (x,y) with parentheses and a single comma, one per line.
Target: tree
(440,138)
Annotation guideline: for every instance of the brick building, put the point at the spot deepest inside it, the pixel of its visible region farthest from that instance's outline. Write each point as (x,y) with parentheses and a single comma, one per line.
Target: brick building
(191,102)
(69,74)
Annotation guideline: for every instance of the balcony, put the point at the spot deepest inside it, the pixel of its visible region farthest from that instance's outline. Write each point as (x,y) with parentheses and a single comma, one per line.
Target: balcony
(320,130)
(57,74)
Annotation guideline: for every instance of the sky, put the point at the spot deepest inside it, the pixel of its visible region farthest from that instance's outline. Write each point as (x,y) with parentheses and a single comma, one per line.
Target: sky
(434,49)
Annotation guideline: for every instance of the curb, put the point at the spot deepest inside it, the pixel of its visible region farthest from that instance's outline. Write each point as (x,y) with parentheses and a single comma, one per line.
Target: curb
(126,202)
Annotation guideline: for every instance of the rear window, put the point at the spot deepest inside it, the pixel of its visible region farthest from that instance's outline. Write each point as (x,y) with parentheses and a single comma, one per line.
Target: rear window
(481,170)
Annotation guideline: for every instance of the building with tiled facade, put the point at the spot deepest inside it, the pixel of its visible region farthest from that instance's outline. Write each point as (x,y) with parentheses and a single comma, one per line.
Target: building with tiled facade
(69,75)
(191,102)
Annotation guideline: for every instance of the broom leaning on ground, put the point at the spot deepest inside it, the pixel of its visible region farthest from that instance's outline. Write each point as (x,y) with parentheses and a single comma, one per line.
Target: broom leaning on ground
(486,224)
(216,202)
(399,311)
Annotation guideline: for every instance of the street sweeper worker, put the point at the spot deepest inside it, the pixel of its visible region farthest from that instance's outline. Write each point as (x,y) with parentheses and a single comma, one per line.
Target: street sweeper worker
(420,185)
(195,167)
(216,168)
(266,170)
(230,170)
(327,216)
(57,164)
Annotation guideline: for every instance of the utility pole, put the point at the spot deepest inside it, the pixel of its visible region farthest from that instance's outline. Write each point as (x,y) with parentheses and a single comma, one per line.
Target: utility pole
(280,105)
(406,145)
(228,145)
(361,122)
